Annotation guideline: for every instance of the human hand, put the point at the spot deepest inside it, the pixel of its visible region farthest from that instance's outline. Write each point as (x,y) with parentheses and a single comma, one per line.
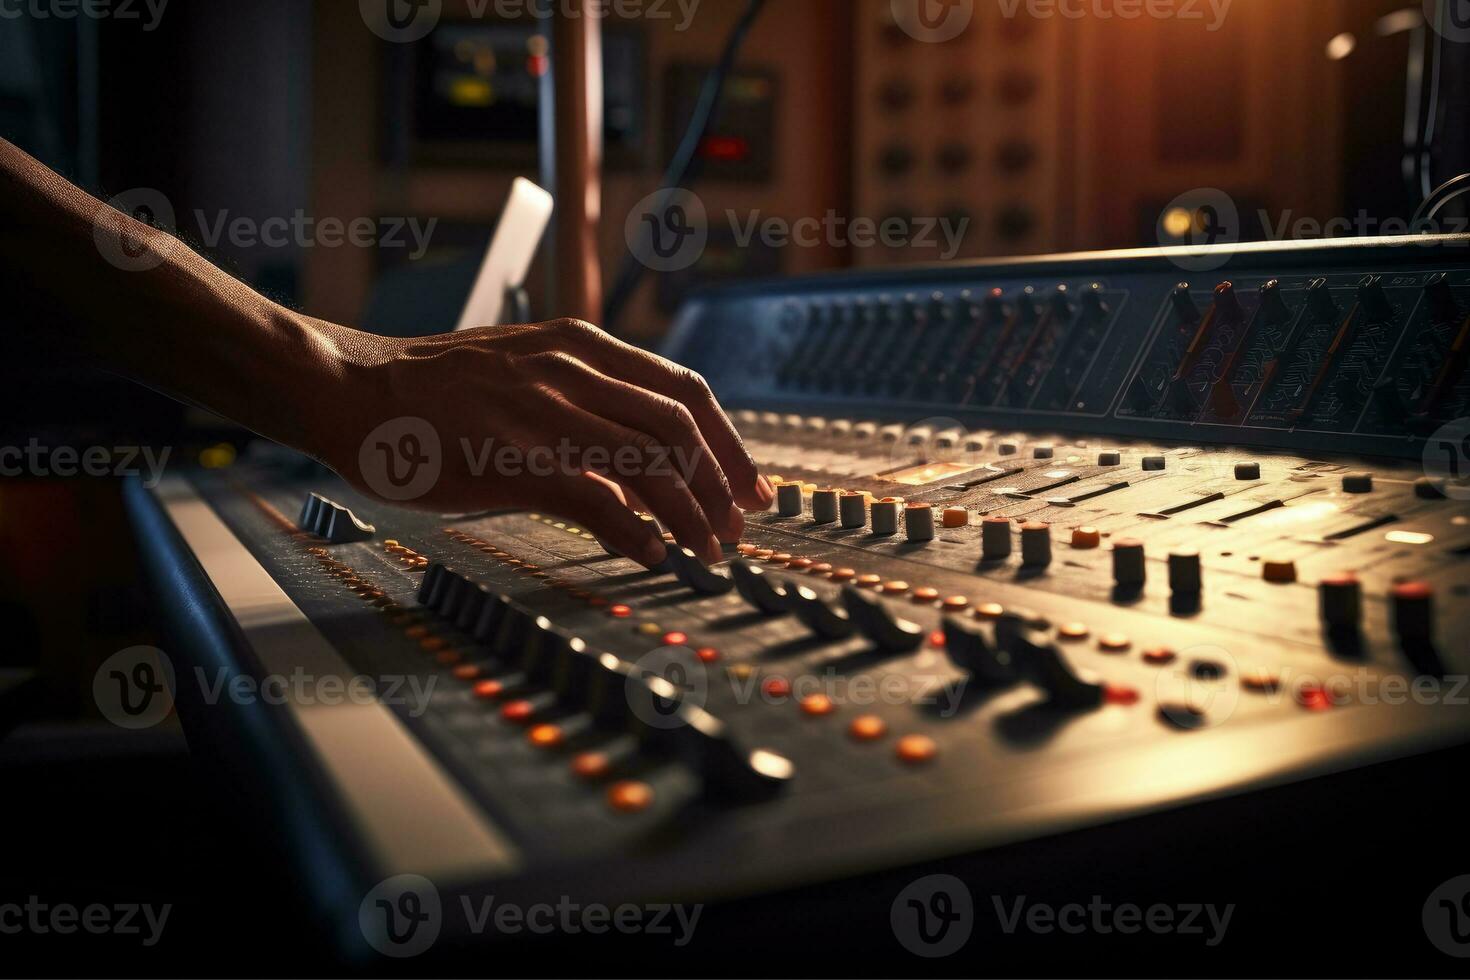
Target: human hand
(558,417)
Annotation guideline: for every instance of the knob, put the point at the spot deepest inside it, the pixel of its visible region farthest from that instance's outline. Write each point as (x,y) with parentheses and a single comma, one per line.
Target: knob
(472,607)
(728,772)
(1061,304)
(1374,299)
(695,574)
(488,624)
(1228,304)
(1185,577)
(1413,621)
(1154,463)
(1247,471)
(884,515)
(815,614)
(433,576)
(1427,488)
(973,649)
(329,519)
(758,588)
(824,507)
(1184,305)
(853,508)
(1358,483)
(995,538)
(1110,458)
(918,522)
(871,616)
(1442,300)
(1035,544)
(1129,568)
(788,500)
(1320,301)
(1273,307)
(1281,571)
(1041,663)
(1341,603)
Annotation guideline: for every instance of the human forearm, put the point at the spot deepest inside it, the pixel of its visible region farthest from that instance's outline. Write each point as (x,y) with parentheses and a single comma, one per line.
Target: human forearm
(113,291)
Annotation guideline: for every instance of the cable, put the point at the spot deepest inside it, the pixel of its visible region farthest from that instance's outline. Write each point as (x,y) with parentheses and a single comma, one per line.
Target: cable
(1442,195)
(683,168)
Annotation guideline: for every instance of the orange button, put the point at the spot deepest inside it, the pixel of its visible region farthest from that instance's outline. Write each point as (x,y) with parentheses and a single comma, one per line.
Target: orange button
(466,672)
(916,749)
(895,587)
(821,568)
(926,594)
(989,610)
(433,644)
(1158,656)
(676,639)
(844,574)
(620,612)
(546,736)
(867,728)
(817,705)
(1073,631)
(707,655)
(955,603)
(590,765)
(956,517)
(1120,694)
(630,797)
(489,690)
(798,564)
(1086,537)
(869,581)
(1114,642)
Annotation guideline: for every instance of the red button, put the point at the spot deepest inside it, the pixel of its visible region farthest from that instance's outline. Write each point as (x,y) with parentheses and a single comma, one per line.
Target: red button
(620,612)
(519,712)
(676,639)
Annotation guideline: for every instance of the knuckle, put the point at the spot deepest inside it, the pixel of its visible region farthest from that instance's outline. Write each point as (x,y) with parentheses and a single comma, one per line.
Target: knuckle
(676,414)
(575,329)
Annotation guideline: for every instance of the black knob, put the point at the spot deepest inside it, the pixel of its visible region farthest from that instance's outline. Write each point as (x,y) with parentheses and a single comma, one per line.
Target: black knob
(816,615)
(1273,307)
(1374,299)
(1184,304)
(1228,303)
(1442,300)
(1320,301)
(889,633)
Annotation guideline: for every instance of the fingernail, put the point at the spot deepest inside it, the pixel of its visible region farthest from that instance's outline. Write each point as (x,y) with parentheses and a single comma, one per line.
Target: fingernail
(764,490)
(714,550)
(734,525)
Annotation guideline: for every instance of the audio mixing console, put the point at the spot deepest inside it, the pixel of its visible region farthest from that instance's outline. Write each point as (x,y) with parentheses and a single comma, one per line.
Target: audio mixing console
(1056,543)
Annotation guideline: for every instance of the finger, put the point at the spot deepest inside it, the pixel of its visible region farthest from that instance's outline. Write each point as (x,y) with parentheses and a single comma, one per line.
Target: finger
(667,420)
(646,370)
(597,505)
(630,499)
(668,498)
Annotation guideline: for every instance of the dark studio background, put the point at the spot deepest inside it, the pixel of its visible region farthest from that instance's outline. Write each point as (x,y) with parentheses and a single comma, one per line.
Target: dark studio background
(1071,138)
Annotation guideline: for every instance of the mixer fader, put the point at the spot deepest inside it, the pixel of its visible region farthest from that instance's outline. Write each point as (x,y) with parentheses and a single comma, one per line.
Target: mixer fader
(1054,543)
